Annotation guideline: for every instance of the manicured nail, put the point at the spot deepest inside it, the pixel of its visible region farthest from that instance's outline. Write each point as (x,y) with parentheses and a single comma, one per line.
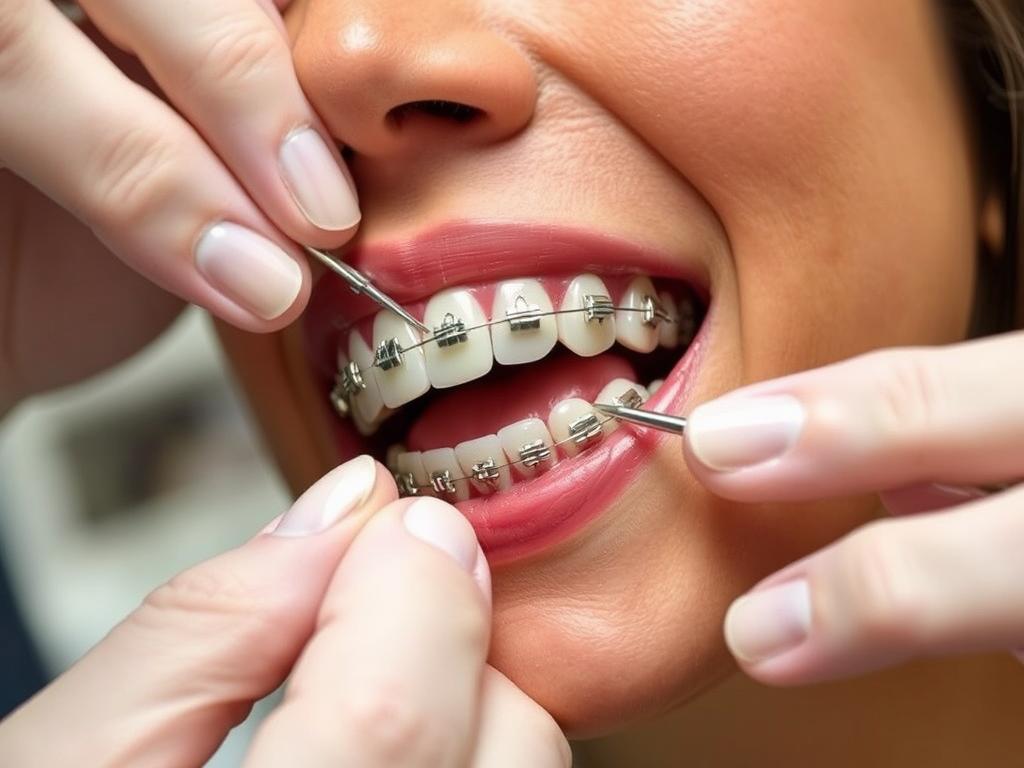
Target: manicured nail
(323,192)
(353,484)
(765,623)
(737,432)
(249,269)
(441,525)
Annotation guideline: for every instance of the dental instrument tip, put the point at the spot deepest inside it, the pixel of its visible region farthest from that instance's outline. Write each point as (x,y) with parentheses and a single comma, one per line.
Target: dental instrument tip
(653,419)
(360,283)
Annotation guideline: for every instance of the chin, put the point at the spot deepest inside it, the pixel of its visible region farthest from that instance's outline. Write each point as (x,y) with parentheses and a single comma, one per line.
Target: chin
(612,568)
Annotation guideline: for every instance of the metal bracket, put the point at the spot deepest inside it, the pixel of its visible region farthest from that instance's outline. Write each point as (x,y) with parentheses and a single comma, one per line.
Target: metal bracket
(441,481)
(597,307)
(524,317)
(406,484)
(630,399)
(485,471)
(450,332)
(534,452)
(388,354)
(585,428)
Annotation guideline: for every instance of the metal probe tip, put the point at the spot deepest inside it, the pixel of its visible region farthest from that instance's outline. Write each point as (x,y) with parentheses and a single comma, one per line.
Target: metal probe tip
(360,283)
(653,419)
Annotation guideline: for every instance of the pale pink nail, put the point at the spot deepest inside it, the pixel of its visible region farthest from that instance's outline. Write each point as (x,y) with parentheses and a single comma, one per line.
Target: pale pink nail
(353,483)
(767,622)
(323,192)
(248,269)
(441,525)
(737,432)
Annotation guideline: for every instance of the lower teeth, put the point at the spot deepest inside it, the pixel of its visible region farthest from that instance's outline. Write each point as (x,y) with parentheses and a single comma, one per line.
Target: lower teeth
(486,464)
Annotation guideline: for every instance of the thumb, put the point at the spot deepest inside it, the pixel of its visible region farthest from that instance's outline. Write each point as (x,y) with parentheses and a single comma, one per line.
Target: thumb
(168,683)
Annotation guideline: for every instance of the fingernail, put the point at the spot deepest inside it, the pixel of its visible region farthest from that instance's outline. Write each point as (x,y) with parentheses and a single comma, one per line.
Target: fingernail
(249,269)
(353,484)
(765,623)
(441,525)
(323,192)
(737,432)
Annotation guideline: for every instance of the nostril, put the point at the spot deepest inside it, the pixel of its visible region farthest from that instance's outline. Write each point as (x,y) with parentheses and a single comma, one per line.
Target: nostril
(451,111)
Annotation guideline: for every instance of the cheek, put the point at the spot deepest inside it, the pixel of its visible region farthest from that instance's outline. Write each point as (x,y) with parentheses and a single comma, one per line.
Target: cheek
(828,139)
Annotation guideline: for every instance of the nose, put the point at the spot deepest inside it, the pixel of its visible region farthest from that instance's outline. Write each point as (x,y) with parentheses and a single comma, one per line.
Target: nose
(392,77)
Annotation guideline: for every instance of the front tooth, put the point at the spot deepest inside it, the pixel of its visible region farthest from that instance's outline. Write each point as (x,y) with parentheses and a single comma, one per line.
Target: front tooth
(456,355)
(526,343)
(438,462)
(575,417)
(668,330)
(529,439)
(407,380)
(632,329)
(412,464)
(585,337)
(484,457)
(611,393)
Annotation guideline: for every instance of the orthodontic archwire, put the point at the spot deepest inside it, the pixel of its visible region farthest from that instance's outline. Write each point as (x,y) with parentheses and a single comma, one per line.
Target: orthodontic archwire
(582,431)
(453,331)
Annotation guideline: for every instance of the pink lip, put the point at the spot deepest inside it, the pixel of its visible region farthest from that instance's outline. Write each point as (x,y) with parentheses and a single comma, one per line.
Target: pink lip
(535,515)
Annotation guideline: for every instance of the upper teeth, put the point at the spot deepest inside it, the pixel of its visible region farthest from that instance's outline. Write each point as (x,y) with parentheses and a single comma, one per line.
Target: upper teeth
(523,327)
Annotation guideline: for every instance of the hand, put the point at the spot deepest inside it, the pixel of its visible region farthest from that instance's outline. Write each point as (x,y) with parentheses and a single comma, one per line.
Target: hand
(202,195)
(922,426)
(379,610)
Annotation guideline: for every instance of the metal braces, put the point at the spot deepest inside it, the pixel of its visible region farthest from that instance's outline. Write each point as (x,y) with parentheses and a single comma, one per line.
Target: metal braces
(597,307)
(581,431)
(450,332)
(524,316)
(388,354)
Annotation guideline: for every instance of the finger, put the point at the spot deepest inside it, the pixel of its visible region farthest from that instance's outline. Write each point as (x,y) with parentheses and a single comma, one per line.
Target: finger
(514,730)
(227,66)
(881,421)
(168,683)
(138,174)
(392,675)
(941,583)
(928,497)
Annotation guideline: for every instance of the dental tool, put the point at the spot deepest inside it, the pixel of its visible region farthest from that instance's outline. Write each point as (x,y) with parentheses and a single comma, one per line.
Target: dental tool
(653,419)
(360,283)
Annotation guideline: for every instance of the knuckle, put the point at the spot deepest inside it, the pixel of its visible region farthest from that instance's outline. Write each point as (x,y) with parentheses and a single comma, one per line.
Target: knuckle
(17,19)
(240,49)
(391,725)
(881,592)
(912,394)
(132,175)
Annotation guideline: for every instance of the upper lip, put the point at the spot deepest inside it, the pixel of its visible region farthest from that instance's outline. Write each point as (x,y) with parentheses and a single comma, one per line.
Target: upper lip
(474,252)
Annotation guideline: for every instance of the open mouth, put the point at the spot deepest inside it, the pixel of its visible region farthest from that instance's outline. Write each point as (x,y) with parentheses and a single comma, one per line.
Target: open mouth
(492,409)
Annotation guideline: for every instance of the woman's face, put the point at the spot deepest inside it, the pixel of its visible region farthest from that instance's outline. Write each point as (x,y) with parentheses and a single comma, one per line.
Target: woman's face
(802,168)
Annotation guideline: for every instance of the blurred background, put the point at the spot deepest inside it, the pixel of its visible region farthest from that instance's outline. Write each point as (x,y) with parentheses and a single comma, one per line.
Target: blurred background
(109,488)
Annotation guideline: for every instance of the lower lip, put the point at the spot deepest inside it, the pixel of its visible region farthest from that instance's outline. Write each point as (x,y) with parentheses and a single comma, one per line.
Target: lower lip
(535,515)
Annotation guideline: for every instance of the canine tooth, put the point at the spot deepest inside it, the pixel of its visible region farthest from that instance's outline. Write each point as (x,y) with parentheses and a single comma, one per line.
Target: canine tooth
(668,331)
(525,297)
(632,329)
(456,355)
(481,459)
(612,393)
(527,432)
(407,380)
(367,403)
(585,337)
(442,468)
(575,418)
(412,464)
(655,385)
